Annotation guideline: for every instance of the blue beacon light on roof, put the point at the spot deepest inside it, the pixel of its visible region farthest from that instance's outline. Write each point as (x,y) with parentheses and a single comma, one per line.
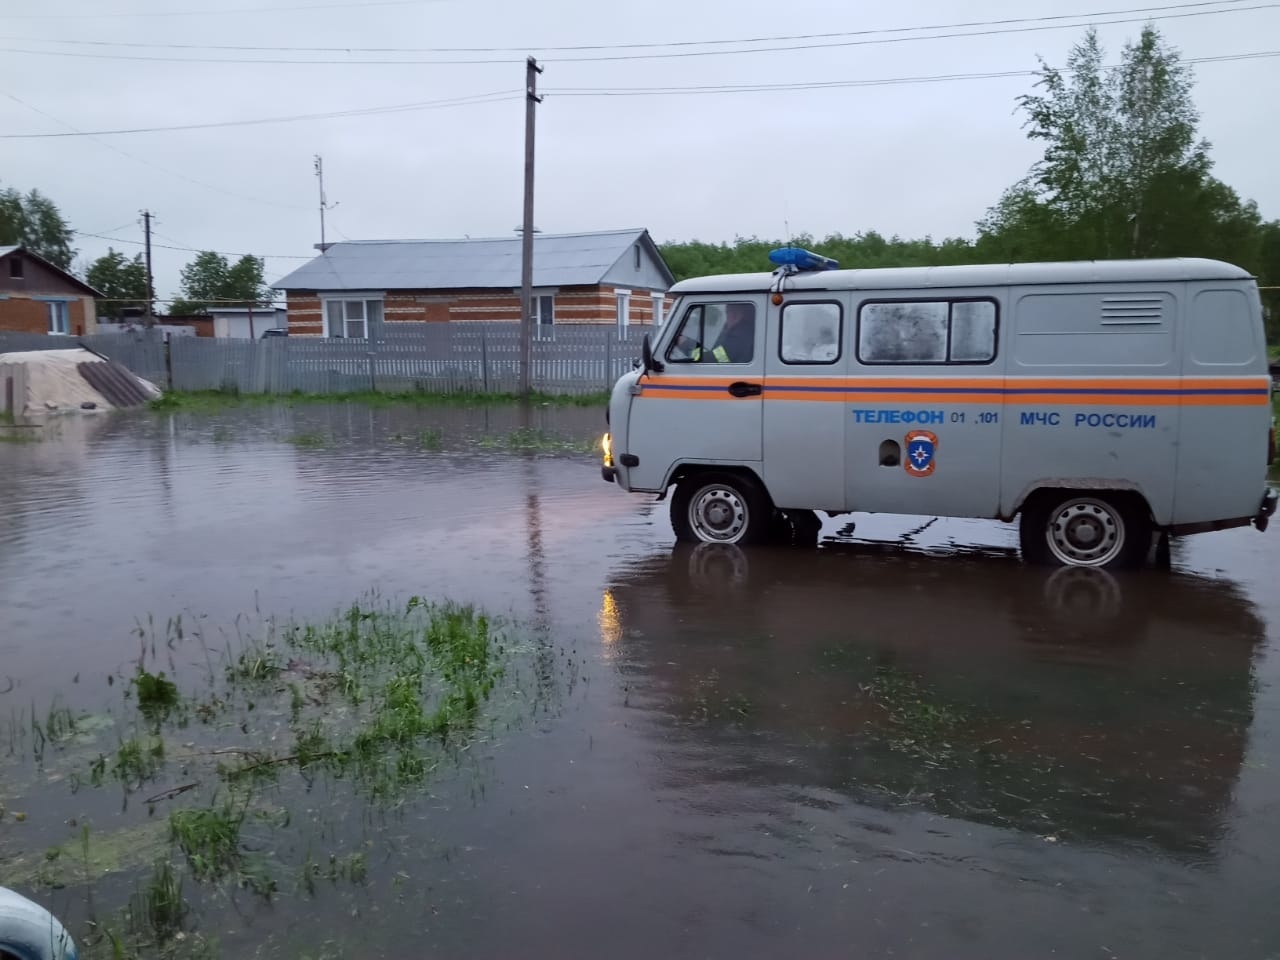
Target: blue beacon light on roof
(801,259)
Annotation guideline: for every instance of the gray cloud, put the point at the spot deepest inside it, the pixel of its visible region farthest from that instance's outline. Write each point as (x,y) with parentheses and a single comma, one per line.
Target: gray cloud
(909,159)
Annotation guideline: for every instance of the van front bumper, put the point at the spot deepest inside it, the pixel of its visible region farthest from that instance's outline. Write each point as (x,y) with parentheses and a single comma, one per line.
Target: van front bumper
(1268,508)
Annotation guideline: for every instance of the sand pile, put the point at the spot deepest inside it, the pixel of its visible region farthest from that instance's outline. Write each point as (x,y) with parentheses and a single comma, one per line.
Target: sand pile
(56,382)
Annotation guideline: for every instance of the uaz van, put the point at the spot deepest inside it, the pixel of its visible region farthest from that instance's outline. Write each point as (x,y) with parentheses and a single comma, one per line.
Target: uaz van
(1100,403)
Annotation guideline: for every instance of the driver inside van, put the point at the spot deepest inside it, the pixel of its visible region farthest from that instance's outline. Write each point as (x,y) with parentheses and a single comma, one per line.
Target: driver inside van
(737,340)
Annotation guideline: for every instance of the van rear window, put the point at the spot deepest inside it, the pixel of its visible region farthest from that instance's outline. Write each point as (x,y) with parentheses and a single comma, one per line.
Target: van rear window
(927,331)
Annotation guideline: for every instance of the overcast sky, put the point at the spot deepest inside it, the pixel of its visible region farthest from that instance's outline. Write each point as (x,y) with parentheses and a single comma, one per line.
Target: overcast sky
(911,159)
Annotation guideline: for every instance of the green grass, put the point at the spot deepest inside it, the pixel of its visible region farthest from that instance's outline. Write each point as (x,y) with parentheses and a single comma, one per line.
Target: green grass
(19,437)
(157,695)
(379,696)
(135,763)
(209,839)
(156,913)
(200,401)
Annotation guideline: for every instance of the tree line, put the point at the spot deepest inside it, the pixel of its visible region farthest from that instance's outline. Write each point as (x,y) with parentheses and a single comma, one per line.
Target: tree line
(33,221)
(1124,174)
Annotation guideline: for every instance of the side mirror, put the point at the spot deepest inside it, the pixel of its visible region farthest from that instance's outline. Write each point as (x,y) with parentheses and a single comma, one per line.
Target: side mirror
(646,356)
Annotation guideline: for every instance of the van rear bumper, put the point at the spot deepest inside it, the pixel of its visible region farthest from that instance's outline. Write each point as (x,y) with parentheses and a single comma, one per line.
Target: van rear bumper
(1261,519)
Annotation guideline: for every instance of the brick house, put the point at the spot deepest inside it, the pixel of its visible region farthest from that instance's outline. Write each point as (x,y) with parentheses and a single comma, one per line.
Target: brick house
(616,277)
(37,297)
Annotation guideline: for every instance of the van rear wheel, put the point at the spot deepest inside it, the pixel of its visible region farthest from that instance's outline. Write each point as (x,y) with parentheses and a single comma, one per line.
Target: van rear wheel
(1076,529)
(720,508)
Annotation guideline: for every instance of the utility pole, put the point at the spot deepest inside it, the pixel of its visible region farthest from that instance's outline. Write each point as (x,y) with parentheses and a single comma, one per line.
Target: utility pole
(151,292)
(526,253)
(319,164)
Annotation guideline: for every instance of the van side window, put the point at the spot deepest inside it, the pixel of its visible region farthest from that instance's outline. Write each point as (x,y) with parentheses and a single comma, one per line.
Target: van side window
(927,331)
(810,333)
(715,333)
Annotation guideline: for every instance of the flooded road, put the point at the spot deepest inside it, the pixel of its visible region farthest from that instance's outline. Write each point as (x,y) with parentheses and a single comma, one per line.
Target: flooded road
(901,744)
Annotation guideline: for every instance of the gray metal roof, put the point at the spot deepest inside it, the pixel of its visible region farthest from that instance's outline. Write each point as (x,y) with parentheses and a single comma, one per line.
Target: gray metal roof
(976,275)
(5,251)
(568,259)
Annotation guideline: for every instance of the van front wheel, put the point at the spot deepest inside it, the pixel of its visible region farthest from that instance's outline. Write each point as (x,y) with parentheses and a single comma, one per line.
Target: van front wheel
(720,508)
(1073,529)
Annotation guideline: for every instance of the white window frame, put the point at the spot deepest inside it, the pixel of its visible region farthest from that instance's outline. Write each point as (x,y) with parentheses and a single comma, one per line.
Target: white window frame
(59,312)
(544,325)
(659,302)
(363,298)
(624,310)
(543,329)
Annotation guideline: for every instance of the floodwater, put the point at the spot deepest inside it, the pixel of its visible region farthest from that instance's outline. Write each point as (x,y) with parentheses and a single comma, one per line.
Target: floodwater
(900,744)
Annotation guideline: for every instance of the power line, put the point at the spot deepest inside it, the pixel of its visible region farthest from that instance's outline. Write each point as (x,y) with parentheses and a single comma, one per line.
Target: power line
(472,100)
(162,246)
(214,12)
(638,46)
(618,92)
(663,55)
(154,166)
(840,84)
(131,223)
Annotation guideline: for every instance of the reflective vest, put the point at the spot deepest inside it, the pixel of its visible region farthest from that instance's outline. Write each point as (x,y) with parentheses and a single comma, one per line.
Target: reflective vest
(720,353)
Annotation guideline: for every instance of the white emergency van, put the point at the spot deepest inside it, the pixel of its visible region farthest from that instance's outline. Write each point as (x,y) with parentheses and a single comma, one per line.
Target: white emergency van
(1103,403)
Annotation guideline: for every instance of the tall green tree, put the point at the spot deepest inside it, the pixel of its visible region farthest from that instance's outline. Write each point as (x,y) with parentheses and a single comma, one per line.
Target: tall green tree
(121,281)
(1124,172)
(210,280)
(34,221)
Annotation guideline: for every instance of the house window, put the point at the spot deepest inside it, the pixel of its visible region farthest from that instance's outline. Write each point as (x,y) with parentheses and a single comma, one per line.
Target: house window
(58,325)
(352,319)
(637,252)
(543,310)
(15,268)
(624,310)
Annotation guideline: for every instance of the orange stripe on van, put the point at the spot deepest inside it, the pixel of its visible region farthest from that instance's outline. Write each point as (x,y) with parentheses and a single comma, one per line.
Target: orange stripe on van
(1015,391)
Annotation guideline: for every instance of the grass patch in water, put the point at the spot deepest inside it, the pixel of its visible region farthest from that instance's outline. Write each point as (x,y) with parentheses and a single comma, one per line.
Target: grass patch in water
(530,440)
(922,724)
(209,838)
(87,857)
(375,700)
(156,694)
(310,440)
(257,663)
(135,763)
(156,913)
(24,436)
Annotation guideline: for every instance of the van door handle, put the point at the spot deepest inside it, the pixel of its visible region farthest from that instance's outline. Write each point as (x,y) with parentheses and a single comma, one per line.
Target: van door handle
(743,389)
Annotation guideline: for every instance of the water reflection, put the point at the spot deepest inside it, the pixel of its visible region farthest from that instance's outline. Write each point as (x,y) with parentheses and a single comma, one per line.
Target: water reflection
(1071,704)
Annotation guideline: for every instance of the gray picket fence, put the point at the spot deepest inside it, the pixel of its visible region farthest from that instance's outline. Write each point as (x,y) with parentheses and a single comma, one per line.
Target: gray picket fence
(434,358)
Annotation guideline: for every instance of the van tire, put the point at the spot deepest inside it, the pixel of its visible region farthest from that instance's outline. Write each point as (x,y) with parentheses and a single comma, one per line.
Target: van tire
(1105,530)
(720,508)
